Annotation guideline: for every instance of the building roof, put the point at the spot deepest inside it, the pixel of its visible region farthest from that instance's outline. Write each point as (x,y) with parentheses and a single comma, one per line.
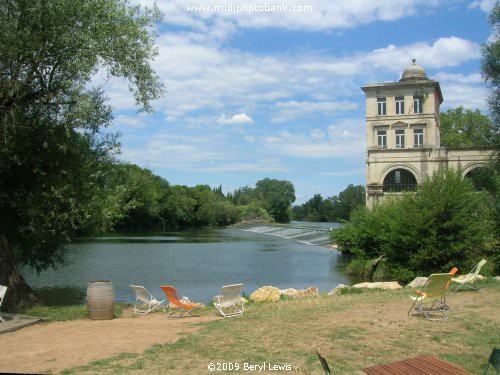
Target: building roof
(413,72)
(413,75)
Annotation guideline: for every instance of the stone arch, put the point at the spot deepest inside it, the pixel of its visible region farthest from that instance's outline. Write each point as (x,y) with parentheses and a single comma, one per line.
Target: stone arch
(398,180)
(470,167)
(480,179)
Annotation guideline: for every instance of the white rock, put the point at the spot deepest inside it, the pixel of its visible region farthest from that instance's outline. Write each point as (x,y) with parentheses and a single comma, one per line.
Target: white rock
(418,282)
(290,292)
(379,285)
(301,293)
(462,278)
(266,293)
(337,289)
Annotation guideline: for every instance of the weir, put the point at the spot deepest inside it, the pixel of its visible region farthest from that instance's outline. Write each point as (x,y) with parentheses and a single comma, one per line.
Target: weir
(306,234)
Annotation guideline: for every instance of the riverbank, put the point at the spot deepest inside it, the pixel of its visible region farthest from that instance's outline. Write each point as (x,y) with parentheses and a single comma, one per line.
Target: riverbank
(351,330)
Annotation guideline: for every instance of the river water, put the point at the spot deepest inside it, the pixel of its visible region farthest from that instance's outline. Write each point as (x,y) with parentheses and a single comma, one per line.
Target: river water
(196,262)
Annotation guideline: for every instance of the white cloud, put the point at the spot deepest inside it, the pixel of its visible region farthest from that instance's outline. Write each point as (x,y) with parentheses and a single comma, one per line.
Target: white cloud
(286,111)
(137,121)
(259,166)
(460,78)
(324,15)
(215,151)
(485,5)
(201,76)
(240,118)
(176,151)
(444,52)
(467,91)
(346,139)
(350,172)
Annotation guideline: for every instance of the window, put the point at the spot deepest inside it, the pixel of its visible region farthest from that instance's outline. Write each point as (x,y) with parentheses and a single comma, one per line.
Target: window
(382,107)
(400,139)
(418,137)
(400,105)
(397,176)
(418,104)
(382,139)
(400,180)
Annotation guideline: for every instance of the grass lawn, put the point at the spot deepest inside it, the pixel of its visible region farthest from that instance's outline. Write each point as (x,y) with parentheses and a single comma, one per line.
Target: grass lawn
(351,331)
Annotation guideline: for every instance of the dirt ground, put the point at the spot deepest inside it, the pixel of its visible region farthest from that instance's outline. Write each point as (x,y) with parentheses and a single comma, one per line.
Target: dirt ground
(56,346)
(60,345)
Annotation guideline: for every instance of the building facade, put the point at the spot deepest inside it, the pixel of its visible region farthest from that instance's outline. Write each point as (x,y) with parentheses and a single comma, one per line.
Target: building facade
(403,136)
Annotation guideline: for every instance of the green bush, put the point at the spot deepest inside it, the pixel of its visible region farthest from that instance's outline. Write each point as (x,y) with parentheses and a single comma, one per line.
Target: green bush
(444,224)
(359,267)
(382,271)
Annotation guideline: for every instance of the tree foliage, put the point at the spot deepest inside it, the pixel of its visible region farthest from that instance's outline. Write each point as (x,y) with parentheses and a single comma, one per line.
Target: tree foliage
(54,160)
(490,67)
(444,224)
(148,201)
(332,209)
(276,197)
(270,199)
(465,128)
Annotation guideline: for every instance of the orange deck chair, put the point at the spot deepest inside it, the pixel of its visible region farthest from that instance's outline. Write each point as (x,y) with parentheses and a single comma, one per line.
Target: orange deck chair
(452,272)
(184,304)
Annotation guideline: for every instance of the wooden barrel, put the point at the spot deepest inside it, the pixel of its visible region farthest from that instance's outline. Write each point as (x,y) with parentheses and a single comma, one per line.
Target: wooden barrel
(100,300)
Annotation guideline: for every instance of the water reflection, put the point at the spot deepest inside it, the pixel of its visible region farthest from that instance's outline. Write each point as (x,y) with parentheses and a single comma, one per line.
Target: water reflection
(59,295)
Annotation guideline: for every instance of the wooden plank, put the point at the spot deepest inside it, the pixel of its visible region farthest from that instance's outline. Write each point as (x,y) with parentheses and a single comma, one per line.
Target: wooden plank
(424,365)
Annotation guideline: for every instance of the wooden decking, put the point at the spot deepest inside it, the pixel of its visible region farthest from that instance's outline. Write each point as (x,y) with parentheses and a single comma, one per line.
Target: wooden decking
(12,322)
(425,365)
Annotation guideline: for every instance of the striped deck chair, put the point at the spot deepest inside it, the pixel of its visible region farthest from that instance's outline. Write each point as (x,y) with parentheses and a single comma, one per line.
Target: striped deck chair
(469,280)
(433,294)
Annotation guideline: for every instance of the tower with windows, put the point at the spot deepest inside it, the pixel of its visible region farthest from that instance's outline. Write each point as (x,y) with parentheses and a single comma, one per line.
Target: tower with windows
(403,136)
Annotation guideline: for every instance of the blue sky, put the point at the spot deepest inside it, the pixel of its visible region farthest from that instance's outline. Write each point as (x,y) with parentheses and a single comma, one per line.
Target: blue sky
(277,94)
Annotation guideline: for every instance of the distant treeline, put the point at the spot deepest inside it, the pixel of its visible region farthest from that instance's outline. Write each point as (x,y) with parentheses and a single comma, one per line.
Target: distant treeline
(137,198)
(332,209)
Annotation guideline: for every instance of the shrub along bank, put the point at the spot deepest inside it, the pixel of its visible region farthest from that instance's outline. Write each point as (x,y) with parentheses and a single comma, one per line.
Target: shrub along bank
(445,224)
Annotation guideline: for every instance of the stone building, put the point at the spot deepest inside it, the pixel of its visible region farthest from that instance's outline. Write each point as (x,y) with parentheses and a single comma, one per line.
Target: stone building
(403,136)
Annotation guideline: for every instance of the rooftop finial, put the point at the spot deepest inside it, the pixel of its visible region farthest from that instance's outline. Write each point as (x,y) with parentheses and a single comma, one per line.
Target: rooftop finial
(414,60)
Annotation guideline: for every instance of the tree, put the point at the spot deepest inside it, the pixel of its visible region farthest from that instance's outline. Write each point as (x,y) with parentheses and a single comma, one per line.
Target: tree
(311,210)
(144,195)
(465,128)
(53,156)
(348,200)
(442,225)
(490,67)
(333,208)
(277,197)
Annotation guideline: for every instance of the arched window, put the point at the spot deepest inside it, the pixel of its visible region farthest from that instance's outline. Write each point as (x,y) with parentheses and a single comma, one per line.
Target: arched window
(400,180)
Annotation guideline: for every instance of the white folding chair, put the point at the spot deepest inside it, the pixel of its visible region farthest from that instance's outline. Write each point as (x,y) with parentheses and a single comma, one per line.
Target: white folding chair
(147,302)
(469,280)
(230,299)
(3,290)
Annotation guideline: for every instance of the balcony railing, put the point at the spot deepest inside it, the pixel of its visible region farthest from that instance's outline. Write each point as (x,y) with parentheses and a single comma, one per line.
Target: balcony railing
(396,188)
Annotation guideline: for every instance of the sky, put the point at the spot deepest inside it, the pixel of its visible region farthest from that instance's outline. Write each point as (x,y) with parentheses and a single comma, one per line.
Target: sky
(252,94)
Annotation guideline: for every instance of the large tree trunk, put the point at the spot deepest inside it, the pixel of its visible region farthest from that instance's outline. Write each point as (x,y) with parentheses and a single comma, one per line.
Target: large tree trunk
(19,293)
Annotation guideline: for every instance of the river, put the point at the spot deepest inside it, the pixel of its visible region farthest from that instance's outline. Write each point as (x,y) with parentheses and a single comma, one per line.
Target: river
(197,262)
